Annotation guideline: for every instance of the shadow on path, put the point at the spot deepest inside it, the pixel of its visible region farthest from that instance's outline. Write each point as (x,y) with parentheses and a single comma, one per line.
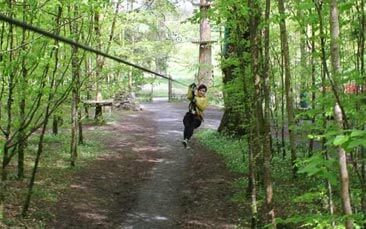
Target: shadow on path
(148,180)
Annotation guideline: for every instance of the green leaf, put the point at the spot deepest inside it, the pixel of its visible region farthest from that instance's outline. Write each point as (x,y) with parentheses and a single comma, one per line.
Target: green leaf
(331,177)
(310,169)
(355,142)
(358,133)
(305,6)
(340,139)
(308,197)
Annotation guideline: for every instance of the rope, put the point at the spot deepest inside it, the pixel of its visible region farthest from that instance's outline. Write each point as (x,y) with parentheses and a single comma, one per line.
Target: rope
(82,46)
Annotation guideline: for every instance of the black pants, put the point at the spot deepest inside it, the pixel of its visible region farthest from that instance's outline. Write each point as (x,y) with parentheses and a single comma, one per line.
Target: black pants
(190,122)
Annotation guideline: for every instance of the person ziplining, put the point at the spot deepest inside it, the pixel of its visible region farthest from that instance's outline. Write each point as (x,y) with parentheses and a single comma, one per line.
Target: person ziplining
(194,117)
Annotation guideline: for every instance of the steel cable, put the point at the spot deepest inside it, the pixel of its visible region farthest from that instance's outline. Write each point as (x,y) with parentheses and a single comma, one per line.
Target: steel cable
(82,46)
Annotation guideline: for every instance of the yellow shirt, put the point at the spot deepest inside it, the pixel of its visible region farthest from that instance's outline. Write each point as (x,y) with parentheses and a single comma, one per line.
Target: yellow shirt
(201,102)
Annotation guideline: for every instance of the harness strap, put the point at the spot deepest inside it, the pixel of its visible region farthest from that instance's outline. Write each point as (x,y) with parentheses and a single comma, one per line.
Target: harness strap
(192,106)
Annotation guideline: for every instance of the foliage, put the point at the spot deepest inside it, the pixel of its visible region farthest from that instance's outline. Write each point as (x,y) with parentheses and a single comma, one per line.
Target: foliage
(318,135)
(54,177)
(319,167)
(231,149)
(305,209)
(36,75)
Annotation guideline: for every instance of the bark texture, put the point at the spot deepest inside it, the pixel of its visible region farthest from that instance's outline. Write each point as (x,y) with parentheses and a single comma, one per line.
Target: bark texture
(336,66)
(288,85)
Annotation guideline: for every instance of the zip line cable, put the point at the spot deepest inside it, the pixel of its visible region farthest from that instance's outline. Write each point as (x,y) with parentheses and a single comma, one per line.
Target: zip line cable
(74,43)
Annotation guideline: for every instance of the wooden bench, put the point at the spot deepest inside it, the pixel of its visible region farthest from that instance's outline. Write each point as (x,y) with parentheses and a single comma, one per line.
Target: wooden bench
(98,104)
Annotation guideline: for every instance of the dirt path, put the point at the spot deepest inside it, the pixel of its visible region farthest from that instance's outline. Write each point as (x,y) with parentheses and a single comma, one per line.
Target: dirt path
(148,180)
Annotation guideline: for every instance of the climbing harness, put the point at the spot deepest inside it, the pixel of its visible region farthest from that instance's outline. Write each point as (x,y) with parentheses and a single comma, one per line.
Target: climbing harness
(192,107)
(82,46)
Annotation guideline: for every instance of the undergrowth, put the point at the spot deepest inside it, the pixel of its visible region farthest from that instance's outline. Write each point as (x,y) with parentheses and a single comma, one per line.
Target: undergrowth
(232,150)
(53,178)
(233,153)
(301,201)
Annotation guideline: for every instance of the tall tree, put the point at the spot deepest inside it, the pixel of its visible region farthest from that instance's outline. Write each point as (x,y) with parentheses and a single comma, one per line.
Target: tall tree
(360,9)
(267,149)
(75,88)
(324,73)
(99,61)
(336,69)
(9,73)
(22,100)
(257,128)
(232,121)
(205,50)
(288,85)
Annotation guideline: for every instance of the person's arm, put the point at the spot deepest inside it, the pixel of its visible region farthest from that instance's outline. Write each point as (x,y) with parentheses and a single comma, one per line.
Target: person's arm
(190,93)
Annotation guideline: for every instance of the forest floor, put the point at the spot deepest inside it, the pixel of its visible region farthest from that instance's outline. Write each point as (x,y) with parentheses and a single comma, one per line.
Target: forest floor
(148,179)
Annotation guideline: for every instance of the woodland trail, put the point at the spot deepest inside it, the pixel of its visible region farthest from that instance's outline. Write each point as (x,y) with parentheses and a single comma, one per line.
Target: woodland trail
(148,180)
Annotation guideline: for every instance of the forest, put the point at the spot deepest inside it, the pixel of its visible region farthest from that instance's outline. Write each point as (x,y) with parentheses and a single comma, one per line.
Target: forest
(288,76)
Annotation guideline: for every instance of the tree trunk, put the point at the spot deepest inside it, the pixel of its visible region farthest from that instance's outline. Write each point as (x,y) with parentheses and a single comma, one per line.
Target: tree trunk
(361,39)
(267,149)
(338,113)
(361,68)
(251,190)
(283,138)
(288,87)
(9,107)
(10,98)
(74,127)
(75,93)
(232,121)
(363,183)
(130,73)
(99,59)
(205,59)
(36,163)
(113,26)
(313,94)
(80,124)
(21,134)
(89,87)
(343,170)
(55,124)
